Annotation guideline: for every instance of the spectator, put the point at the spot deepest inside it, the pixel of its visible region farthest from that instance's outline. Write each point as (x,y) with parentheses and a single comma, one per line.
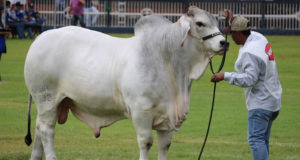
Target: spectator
(3,32)
(7,6)
(90,8)
(1,15)
(22,18)
(12,20)
(34,18)
(60,7)
(76,9)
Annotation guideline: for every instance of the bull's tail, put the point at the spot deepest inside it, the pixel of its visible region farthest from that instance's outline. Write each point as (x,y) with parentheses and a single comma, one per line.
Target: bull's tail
(28,139)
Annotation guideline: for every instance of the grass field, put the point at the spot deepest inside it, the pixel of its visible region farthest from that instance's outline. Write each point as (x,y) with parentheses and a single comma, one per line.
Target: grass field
(228,135)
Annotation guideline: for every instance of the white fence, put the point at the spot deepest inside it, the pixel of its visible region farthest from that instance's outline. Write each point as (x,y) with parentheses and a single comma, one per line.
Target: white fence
(268,14)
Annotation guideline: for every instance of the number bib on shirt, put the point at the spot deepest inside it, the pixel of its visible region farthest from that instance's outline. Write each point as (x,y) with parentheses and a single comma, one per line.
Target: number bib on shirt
(269,52)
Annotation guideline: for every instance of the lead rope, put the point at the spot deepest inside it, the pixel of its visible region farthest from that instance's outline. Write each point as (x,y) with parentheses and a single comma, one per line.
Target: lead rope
(214,93)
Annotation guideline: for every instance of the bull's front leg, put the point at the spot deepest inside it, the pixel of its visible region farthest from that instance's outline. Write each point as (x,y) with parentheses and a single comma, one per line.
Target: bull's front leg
(142,121)
(164,139)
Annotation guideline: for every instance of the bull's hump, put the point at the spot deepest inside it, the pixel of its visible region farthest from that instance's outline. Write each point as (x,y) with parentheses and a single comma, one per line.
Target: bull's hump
(149,22)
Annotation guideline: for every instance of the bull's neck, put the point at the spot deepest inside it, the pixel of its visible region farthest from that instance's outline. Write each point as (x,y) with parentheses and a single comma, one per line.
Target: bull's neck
(198,60)
(186,61)
(183,64)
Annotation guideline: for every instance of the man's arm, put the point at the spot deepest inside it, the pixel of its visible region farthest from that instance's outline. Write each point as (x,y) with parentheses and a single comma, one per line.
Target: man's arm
(70,9)
(251,68)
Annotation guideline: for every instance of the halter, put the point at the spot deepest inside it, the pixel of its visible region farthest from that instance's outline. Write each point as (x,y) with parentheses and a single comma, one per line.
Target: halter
(206,37)
(202,39)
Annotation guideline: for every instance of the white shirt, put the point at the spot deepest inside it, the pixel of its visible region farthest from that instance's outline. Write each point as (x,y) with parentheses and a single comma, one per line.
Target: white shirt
(257,74)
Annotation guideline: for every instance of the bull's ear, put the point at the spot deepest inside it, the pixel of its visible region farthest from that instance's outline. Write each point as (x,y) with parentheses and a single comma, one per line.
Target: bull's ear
(185,28)
(190,11)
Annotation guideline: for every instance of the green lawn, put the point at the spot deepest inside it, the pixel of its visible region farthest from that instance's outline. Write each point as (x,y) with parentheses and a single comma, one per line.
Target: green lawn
(228,135)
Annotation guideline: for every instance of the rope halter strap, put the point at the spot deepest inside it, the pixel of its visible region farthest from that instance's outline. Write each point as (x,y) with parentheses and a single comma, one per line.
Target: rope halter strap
(211,35)
(202,39)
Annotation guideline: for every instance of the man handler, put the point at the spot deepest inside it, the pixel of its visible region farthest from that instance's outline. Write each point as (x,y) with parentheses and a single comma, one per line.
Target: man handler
(257,74)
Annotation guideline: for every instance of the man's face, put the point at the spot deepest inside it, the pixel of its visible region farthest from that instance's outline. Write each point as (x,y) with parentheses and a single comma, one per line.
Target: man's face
(237,37)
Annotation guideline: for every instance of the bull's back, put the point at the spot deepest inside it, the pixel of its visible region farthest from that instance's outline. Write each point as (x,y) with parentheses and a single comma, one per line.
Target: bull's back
(64,43)
(58,50)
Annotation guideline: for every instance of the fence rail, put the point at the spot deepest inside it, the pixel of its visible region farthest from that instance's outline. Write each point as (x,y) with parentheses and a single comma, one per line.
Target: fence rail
(268,15)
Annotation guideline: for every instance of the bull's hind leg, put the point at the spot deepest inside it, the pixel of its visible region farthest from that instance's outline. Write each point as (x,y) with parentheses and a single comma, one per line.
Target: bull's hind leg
(164,139)
(45,125)
(143,124)
(38,150)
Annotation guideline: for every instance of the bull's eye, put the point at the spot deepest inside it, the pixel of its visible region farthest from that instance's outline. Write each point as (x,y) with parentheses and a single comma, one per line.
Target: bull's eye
(200,24)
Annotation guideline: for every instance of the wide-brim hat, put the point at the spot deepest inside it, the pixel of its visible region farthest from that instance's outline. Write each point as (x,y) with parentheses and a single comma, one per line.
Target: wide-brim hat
(238,23)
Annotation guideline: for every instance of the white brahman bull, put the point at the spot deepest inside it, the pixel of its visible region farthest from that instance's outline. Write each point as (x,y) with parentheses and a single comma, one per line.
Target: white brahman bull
(103,79)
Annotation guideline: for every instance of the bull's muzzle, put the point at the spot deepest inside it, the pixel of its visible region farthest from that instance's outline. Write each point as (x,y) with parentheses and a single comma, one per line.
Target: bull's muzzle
(224,44)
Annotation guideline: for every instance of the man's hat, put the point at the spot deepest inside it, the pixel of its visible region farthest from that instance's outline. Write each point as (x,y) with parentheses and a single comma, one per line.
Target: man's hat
(240,23)
(237,23)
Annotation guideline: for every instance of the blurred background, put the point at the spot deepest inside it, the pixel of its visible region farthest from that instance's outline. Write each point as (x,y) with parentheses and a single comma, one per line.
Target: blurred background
(119,16)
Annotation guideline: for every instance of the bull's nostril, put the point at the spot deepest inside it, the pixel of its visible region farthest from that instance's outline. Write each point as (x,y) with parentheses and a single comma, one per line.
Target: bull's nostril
(224,43)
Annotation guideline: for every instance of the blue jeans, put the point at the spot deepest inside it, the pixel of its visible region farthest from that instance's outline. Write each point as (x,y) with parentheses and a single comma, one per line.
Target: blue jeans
(20,27)
(259,128)
(29,30)
(93,10)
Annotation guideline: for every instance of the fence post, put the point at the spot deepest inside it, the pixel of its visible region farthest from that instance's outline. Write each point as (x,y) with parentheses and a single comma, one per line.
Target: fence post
(4,23)
(107,9)
(298,7)
(54,26)
(185,6)
(262,23)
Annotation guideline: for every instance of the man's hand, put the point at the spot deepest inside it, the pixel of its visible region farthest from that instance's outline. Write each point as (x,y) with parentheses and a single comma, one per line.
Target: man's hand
(69,10)
(217,77)
(228,14)
(229,17)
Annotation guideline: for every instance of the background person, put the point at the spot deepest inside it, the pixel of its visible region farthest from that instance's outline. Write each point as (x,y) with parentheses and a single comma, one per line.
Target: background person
(77,10)
(90,8)
(34,18)
(13,21)
(3,33)
(257,74)
(60,6)
(21,17)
